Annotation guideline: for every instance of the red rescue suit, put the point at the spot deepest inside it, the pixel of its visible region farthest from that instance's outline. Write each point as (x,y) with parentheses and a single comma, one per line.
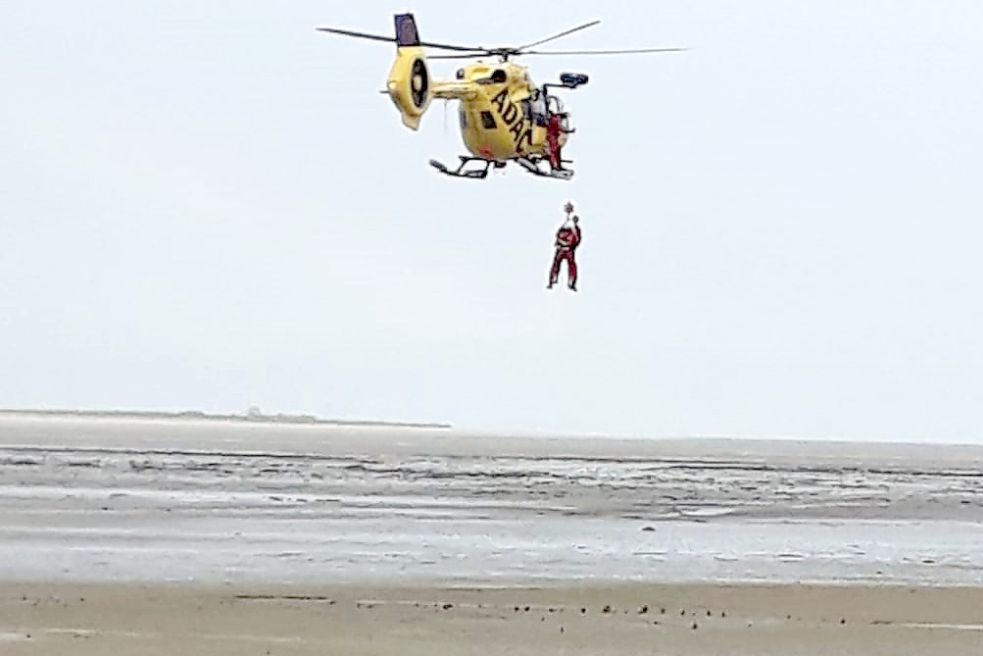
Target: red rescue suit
(553,130)
(567,240)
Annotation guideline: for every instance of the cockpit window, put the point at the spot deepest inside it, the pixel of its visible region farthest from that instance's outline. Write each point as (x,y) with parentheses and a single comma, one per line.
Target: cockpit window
(488,121)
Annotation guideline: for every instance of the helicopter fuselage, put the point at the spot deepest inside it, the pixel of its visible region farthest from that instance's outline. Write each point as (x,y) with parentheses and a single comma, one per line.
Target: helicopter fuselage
(500,121)
(502,114)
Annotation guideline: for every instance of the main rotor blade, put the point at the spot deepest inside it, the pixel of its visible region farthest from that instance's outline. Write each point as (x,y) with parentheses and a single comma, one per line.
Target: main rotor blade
(561,34)
(600,52)
(444,46)
(360,35)
(390,39)
(472,55)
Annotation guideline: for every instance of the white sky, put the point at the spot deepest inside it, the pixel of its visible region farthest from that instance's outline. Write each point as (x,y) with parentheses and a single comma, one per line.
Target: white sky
(209,205)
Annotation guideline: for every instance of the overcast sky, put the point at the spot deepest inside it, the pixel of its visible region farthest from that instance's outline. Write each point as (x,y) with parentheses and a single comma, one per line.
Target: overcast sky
(209,205)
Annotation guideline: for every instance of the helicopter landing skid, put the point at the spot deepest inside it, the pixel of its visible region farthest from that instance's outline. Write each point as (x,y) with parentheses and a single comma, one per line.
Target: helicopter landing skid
(533,167)
(459,172)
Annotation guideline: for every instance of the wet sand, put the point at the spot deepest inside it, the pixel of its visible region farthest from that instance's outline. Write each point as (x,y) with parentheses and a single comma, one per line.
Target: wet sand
(191,536)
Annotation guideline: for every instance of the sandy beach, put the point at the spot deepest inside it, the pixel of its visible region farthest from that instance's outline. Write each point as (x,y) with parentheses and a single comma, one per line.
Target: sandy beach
(154,536)
(670,619)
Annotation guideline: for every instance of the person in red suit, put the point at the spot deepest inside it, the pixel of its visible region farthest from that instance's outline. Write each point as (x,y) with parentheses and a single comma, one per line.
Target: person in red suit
(567,240)
(554,128)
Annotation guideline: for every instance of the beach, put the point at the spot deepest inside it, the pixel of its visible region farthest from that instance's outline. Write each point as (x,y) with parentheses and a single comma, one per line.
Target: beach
(320,619)
(156,535)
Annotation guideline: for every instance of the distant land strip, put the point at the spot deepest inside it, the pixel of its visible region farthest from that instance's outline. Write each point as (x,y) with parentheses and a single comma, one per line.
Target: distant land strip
(251,417)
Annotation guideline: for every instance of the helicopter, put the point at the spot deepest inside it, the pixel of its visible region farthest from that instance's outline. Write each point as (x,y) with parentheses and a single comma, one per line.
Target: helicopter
(503,115)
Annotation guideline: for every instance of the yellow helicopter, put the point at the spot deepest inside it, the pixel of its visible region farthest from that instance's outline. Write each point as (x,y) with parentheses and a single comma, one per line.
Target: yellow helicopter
(504,116)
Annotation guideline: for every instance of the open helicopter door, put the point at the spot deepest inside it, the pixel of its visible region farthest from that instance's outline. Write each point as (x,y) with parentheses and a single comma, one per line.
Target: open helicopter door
(409,83)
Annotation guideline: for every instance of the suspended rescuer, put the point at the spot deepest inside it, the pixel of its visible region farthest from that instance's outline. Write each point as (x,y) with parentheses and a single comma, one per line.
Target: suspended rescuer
(567,240)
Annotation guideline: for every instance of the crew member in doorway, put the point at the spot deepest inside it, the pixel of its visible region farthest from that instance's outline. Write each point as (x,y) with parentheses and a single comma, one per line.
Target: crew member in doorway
(554,128)
(567,241)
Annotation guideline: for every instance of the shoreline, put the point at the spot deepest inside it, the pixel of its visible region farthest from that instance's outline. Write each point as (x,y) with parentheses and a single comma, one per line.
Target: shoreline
(198,415)
(199,433)
(722,444)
